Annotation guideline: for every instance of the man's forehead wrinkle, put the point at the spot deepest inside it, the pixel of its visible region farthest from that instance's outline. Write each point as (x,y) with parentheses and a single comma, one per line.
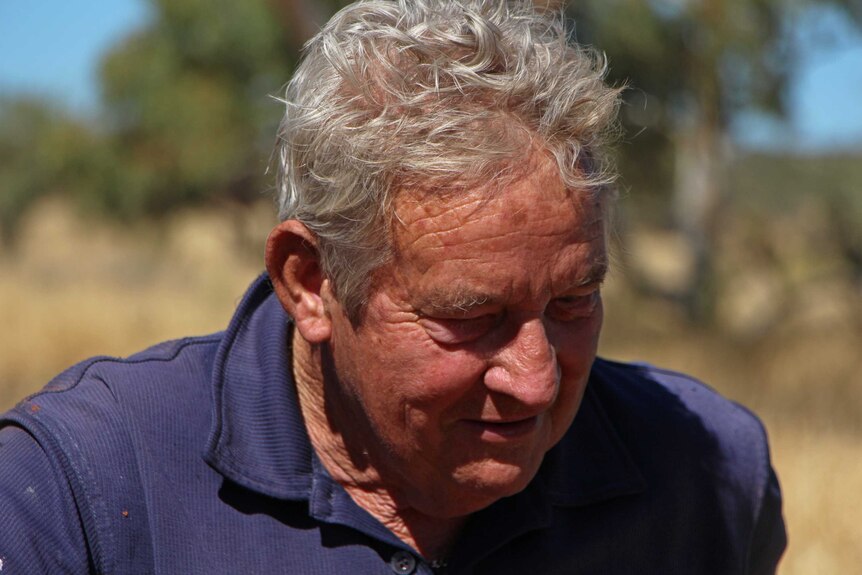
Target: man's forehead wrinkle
(473,244)
(479,225)
(450,222)
(581,265)
(539,168)
(433,259)
(578,266)
(442,255)
(417,219)
(597,219)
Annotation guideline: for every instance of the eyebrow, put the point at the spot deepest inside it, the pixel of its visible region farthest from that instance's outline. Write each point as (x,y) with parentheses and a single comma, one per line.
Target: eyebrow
(458,301)
(596,274)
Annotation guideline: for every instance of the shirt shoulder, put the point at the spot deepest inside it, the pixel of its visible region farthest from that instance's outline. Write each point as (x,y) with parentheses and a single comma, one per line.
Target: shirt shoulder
(680,408)
(142,398)
(36,499)
(705,459)
(178,359)
(98,424)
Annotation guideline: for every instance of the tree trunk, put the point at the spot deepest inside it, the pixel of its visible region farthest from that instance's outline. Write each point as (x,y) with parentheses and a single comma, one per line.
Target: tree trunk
(700,164)
(302,18)
(701,158)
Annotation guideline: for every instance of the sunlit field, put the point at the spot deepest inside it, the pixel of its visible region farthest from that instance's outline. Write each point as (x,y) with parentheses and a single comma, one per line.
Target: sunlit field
(71,289)
(809,395)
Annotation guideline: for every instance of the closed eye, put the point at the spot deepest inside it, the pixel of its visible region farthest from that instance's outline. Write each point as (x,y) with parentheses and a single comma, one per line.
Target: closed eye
(453,331)
(574,307)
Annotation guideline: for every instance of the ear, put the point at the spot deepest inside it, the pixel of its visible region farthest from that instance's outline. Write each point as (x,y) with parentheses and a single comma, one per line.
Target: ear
(293,263)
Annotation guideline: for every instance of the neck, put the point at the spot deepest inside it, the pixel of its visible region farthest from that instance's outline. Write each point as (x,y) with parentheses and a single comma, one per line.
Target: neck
(432,537)
(355,470)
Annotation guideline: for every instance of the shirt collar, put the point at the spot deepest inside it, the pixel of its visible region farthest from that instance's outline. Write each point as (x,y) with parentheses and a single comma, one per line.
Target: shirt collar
(258,438)
(591,463)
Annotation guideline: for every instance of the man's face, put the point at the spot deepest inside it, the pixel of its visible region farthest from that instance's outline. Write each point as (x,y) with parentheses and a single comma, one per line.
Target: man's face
(474,349)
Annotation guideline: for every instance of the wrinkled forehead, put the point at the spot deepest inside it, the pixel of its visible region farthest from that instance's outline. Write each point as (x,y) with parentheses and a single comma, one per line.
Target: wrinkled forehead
(527,192)
(519,243)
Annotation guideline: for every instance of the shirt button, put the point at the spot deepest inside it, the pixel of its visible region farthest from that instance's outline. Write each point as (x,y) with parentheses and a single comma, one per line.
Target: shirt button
(402,563)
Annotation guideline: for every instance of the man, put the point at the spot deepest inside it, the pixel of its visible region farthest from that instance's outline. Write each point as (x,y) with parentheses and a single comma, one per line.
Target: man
(413,386)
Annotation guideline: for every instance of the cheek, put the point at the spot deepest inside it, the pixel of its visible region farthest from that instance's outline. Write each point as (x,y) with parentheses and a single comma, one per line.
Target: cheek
(576,348)
(424,393)
(408,372)
(441,378)
(575,358)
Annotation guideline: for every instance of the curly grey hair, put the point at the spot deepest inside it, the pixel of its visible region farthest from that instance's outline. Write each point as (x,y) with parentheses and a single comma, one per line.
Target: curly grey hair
(435,94)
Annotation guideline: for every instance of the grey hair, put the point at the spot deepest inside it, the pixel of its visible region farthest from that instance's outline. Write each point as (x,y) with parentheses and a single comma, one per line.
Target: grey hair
(436,95)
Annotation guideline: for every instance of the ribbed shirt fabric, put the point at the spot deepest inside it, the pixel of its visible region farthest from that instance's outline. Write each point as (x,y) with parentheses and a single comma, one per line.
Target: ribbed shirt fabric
(192,457)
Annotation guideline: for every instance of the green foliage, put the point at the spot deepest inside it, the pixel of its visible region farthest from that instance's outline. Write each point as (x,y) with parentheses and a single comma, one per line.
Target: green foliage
(691,66)
(692,63)
(187,116)
(43,151)
(187,103)
(768,187)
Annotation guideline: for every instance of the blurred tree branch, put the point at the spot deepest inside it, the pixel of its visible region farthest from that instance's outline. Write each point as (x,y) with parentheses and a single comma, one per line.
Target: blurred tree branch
(187,118)
(301,18)
(691,66)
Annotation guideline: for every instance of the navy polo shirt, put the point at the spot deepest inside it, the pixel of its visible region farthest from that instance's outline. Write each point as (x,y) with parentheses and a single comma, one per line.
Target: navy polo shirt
(192,457)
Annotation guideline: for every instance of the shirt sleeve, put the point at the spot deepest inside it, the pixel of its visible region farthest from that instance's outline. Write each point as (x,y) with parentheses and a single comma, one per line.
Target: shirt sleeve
(770,536)
(40,529)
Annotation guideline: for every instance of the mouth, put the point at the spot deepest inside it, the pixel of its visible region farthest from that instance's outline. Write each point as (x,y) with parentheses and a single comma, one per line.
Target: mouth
(503,431)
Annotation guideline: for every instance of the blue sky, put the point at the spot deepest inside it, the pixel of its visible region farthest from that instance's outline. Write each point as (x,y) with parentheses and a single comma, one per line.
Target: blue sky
(52,48)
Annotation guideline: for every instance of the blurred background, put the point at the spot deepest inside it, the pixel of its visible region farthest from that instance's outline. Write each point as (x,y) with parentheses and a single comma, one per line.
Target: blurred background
(135,137)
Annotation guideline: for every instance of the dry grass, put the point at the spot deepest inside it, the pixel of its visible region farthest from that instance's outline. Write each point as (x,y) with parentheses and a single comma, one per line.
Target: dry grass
(73,290)
(805,381)
(821,477)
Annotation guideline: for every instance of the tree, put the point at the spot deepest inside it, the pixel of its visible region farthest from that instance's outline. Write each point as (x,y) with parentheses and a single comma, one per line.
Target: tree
(692,66)
(187,117)
(187,104)
(43,151)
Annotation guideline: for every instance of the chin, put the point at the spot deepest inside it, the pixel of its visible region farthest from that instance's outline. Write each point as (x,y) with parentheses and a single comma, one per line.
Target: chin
(480,484)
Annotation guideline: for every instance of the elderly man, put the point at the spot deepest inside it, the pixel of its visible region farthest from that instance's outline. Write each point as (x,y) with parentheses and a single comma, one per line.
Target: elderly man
(413,386)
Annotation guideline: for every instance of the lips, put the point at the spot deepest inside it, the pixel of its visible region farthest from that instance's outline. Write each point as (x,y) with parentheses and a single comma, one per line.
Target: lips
(503,431)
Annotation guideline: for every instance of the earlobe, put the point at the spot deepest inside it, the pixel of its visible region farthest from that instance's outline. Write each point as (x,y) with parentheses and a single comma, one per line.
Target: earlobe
(293,263)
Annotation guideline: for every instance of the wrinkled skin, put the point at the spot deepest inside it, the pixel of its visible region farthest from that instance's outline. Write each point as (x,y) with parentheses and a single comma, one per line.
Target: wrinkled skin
(473,354)
(471,357)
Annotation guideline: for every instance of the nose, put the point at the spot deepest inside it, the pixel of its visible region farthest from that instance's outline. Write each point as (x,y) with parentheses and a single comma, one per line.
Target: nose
(526,368)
